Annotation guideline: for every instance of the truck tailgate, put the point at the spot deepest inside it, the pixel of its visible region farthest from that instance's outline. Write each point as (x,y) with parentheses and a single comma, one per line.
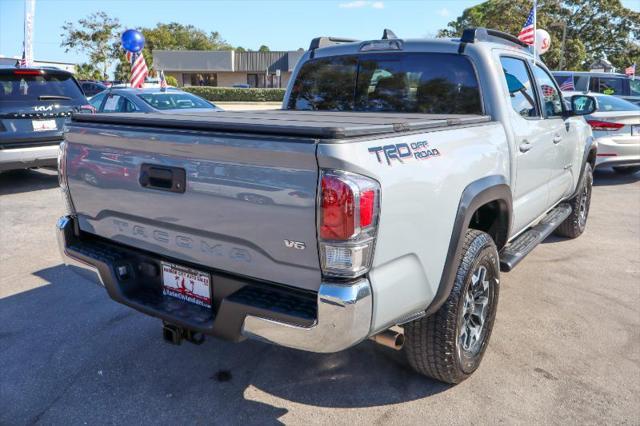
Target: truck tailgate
(245,199)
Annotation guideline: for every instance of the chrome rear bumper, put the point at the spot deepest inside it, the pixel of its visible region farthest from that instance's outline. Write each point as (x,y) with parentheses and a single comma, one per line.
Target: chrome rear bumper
(343,319)
(64,229)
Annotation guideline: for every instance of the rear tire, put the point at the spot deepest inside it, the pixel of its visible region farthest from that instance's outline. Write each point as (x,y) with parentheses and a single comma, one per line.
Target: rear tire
(574,225)
(629,170)
(449,345)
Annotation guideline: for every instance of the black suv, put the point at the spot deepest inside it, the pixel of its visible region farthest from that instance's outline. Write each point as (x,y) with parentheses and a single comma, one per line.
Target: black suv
(34,104)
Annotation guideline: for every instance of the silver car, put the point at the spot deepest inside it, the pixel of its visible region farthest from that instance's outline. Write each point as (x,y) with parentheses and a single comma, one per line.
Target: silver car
(150,100)
(616,127)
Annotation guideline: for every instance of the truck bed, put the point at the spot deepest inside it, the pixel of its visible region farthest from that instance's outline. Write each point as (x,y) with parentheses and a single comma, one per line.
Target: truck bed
(312,124)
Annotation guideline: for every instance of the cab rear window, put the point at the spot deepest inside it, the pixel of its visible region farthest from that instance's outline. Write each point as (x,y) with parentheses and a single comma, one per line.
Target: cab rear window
(32,86)
(433,83)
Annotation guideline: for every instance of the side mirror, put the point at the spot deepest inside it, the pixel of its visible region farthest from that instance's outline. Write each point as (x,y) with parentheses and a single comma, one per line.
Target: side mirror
(583,105)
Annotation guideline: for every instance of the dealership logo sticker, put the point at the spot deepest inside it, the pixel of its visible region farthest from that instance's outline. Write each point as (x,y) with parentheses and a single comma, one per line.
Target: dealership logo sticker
(402,152)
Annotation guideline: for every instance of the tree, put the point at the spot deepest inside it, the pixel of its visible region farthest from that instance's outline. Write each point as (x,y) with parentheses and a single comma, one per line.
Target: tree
(263,48)
(88,72)
(175,36)
(594,28)
(171,81)
(94,35)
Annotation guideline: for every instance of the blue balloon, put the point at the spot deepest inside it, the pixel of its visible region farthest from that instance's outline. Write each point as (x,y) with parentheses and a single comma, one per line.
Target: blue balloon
(132,40)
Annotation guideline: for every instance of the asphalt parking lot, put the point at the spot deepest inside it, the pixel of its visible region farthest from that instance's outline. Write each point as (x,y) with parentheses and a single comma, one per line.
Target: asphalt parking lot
(565,349)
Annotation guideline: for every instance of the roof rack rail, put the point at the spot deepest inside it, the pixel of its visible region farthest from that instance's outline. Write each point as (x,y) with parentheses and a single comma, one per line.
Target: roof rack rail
(329,41)
(469,35)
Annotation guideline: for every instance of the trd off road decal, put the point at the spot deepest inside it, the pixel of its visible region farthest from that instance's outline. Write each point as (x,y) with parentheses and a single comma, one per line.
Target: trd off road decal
(404,151)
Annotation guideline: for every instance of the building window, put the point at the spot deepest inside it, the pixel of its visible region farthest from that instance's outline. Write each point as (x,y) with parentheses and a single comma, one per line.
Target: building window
(200,79)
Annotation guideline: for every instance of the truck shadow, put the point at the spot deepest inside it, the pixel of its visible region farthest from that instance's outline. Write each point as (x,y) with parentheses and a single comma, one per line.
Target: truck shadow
(18,181)
(82,343)
(607,177)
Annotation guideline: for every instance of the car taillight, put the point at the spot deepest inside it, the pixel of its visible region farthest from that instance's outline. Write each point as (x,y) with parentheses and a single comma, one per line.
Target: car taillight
(28,72)
(348,213)
(604,125)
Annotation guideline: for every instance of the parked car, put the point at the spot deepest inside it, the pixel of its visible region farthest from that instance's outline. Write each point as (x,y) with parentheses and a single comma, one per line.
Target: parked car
(616,128)
(433,164)
(241,86)
(34,105)
(91,88)
(150,100)
(606,83)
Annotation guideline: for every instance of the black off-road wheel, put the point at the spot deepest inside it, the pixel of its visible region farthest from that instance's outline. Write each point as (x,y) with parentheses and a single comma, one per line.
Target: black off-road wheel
(574,225)
(628,170)
(449,345)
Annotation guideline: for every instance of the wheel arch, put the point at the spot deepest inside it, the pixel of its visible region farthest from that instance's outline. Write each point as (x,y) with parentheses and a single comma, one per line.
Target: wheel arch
(589,156)
(485,204)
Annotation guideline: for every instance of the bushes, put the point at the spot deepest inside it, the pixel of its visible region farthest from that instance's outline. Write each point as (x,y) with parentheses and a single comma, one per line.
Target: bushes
(230,94)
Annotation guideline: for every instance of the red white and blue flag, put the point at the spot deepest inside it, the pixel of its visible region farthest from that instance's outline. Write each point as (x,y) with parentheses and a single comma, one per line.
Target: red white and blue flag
(139,70)
(630,71)
(163,81)
(567,85)
(528,32)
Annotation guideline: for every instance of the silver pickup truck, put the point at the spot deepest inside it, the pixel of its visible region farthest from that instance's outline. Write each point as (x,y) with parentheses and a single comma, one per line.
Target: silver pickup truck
(382,201)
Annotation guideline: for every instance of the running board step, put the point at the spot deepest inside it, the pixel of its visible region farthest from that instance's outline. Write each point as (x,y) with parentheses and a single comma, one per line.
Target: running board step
(517,250)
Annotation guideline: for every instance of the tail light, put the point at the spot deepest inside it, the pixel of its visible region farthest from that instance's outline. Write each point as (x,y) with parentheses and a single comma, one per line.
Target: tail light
(349,206)
(604,125)
(62,179)
(28,72)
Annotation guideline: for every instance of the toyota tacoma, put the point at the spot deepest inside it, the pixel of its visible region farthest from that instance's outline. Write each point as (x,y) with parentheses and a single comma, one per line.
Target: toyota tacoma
(381,202)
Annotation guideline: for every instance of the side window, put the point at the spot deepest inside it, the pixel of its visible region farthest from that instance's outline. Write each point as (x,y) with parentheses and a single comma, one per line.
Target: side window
(551,99)
(523,99)
(610,86)
(635,87)
(581,82)
(112,104)
(96,101)
(127,106)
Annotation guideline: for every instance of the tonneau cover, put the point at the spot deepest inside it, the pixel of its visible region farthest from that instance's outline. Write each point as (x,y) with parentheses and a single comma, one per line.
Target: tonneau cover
(315,124)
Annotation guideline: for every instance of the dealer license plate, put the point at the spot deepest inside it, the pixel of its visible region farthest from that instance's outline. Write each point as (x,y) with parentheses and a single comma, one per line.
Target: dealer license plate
(635,130)
(43,125)
(186,284)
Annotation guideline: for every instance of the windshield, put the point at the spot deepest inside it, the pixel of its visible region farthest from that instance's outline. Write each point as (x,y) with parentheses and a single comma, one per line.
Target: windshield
(31,86)
(433,83)
(611,103)
(174,100)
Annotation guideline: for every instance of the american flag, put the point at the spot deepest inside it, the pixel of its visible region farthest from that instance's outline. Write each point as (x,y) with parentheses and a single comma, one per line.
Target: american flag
(567,85)
(630,71)
(23,60)
(163,81)
(547,91)
(528,32)
(139,70)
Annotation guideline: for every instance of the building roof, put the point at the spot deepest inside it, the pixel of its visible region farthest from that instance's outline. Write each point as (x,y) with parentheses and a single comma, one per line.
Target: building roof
(225,60)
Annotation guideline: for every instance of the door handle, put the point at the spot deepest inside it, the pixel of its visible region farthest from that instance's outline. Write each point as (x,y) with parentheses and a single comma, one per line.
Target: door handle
(525,146)
(557,138)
